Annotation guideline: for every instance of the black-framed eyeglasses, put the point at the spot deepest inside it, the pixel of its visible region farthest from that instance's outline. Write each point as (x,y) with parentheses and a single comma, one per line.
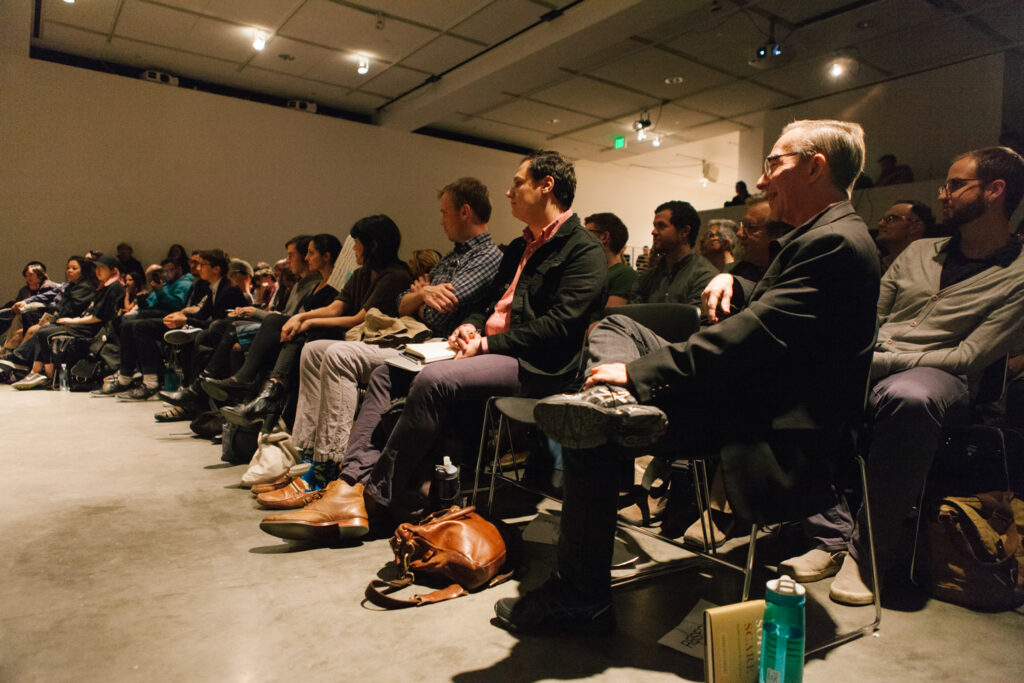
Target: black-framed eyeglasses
(751,227)
(953,185)
(772,162)
(892,218)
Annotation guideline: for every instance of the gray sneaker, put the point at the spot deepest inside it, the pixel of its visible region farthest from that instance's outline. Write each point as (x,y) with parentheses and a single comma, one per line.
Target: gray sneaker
(182,335)
(33,380)
(597,415)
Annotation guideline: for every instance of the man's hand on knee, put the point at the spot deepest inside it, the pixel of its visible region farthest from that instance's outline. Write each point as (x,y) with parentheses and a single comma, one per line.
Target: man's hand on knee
(610,373)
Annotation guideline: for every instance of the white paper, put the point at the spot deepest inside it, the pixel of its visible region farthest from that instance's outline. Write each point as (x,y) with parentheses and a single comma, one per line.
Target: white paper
(688,636)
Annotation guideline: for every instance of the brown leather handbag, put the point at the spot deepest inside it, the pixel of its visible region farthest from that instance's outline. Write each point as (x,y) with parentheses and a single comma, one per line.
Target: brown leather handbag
(454,546)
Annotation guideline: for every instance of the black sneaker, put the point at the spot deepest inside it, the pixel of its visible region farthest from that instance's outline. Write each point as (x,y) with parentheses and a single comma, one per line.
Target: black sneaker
(556,607)
(182,335)
(597,415)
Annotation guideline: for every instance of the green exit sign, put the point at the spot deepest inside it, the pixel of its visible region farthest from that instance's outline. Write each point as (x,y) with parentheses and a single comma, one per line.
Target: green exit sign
(619,142)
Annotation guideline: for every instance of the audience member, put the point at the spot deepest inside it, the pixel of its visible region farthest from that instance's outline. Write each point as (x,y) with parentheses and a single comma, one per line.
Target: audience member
(717,241)
(126,263)
(264,285)
(742,195)
(331,372)
(240,274)
(756,234)
(178,254)
(905,221)
(948,308)
(69,300)
(377,283)
(102,309)
(797,349)
(170,290)
(680,274)
(422,261)
(643,260)
(613,235)
(36,283)
(893,173)
(526,340)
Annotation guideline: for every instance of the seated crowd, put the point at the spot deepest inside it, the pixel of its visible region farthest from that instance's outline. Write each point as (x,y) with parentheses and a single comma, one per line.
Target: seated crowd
(801,308)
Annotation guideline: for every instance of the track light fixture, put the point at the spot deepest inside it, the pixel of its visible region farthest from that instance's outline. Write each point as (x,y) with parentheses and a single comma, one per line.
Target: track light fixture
(364,66)
(259,40)
(643,122)
(765,55)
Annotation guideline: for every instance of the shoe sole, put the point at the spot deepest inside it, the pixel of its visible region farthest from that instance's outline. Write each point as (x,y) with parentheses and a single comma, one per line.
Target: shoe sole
(800,577)
(578,424)
(593,627)
(29,387)
(326,532)
(179,339)
(236,419)
(850,599)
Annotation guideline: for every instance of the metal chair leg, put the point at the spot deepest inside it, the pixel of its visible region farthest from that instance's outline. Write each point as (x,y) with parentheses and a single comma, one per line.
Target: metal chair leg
(480,451)
(748,570)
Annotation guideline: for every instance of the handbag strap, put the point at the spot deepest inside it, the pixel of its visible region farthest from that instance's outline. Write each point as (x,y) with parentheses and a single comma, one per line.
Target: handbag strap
(377,592)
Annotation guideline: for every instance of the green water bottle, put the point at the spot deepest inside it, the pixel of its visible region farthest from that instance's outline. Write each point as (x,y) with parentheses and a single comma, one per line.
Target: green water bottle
(782,637)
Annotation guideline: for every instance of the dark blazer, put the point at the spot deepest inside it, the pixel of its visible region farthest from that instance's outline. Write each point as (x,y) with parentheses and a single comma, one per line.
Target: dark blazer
(562,284)
(228,296)
(787,374)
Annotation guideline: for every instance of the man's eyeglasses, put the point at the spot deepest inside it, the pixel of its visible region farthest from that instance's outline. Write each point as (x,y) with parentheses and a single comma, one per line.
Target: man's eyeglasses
(892,218)
(772,162)
(953,185)
(751,227)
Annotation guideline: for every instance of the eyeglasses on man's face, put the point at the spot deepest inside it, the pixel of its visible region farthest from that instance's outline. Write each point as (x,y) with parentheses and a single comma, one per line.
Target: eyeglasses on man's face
(772,162)
(892,218)
(954,185)
(751,228)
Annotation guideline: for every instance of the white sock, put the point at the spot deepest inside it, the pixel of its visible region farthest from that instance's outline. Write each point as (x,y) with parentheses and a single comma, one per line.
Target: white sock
(124,380)
(150,380)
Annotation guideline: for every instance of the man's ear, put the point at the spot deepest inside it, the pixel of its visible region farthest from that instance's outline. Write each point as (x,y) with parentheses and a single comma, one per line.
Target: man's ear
(547,184)
(996,190)
(818,168)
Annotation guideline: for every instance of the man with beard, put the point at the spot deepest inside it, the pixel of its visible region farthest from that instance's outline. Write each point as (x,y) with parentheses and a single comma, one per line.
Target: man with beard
(947,309)
(681,274)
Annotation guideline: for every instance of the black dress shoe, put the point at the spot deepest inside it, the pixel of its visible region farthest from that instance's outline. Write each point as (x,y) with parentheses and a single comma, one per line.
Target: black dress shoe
(264,408)
(227,389)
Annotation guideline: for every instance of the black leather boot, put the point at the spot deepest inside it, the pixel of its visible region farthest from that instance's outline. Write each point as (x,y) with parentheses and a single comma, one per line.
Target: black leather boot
(191,396)
(266,407)
(229,389)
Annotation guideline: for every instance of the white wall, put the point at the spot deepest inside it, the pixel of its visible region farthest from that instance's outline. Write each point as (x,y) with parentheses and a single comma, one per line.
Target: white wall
(925,119)
(90,159)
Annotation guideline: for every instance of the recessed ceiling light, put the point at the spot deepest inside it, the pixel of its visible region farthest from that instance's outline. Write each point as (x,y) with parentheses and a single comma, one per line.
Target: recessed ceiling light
(552,121)
(836,69)
(364,66)
(674,80)
(866,23)
(259,40)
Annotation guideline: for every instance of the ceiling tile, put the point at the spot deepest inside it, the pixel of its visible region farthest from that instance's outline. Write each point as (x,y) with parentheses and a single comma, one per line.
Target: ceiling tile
(362,102)
(729,45)
(735,98)
(795,12)
(220,39)
(263,13)
(1007,19)
(499,20)
(73,41)
(155,24)
(393,81)
(647,71)
(594,98)
(441,54)
(675,118)
(95,16)
(493,130)
(306,56)
(540,117)
(338,68)
(437,13)
(603,135)
(344,28)
(810,78)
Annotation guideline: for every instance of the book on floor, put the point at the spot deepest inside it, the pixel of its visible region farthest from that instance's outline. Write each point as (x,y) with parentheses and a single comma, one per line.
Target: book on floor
(732,642)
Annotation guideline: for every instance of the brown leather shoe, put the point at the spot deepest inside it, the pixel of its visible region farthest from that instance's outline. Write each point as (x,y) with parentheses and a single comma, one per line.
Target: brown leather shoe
(294,495)
(338,514)
(278,483)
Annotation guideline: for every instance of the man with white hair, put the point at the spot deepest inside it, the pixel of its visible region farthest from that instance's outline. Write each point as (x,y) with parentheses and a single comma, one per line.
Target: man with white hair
(800,348)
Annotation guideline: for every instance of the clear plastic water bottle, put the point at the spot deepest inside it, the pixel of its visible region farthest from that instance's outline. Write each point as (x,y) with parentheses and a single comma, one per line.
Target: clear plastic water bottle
(63,379)
(782,638)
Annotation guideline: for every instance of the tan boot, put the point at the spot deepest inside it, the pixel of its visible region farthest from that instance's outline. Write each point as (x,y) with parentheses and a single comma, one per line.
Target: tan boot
(338,514)
(294,495)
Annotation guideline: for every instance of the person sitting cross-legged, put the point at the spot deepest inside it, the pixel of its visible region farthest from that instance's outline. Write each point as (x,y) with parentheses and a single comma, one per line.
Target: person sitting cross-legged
(799,351)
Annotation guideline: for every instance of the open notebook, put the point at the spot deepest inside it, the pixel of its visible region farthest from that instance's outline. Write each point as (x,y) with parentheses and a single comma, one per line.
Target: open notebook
(415,356)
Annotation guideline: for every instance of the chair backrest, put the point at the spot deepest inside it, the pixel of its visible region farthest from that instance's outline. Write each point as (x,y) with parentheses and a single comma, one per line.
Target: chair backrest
(992,383)
(672,322)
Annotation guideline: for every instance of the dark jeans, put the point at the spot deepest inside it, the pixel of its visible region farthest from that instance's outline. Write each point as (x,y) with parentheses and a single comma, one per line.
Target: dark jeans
(140,345)
(267,355)
(909,411)
(387,469)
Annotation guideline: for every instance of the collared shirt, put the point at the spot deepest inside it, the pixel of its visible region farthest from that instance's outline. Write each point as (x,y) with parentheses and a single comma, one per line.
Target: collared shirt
(682,284)
(500,319)
(470,267)
(958,267)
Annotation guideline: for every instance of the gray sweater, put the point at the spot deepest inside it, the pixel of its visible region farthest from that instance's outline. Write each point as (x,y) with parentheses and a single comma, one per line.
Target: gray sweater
(960,329)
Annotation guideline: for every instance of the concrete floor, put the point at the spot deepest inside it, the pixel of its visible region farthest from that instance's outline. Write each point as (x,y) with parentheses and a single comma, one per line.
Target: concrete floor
(130,554)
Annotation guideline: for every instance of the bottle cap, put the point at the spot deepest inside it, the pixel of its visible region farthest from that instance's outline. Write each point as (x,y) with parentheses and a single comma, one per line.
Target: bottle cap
(786,591)
(448,467)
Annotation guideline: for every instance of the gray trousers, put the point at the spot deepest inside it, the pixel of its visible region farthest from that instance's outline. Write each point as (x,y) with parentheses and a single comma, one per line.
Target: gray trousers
(330,373)
(909,411)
